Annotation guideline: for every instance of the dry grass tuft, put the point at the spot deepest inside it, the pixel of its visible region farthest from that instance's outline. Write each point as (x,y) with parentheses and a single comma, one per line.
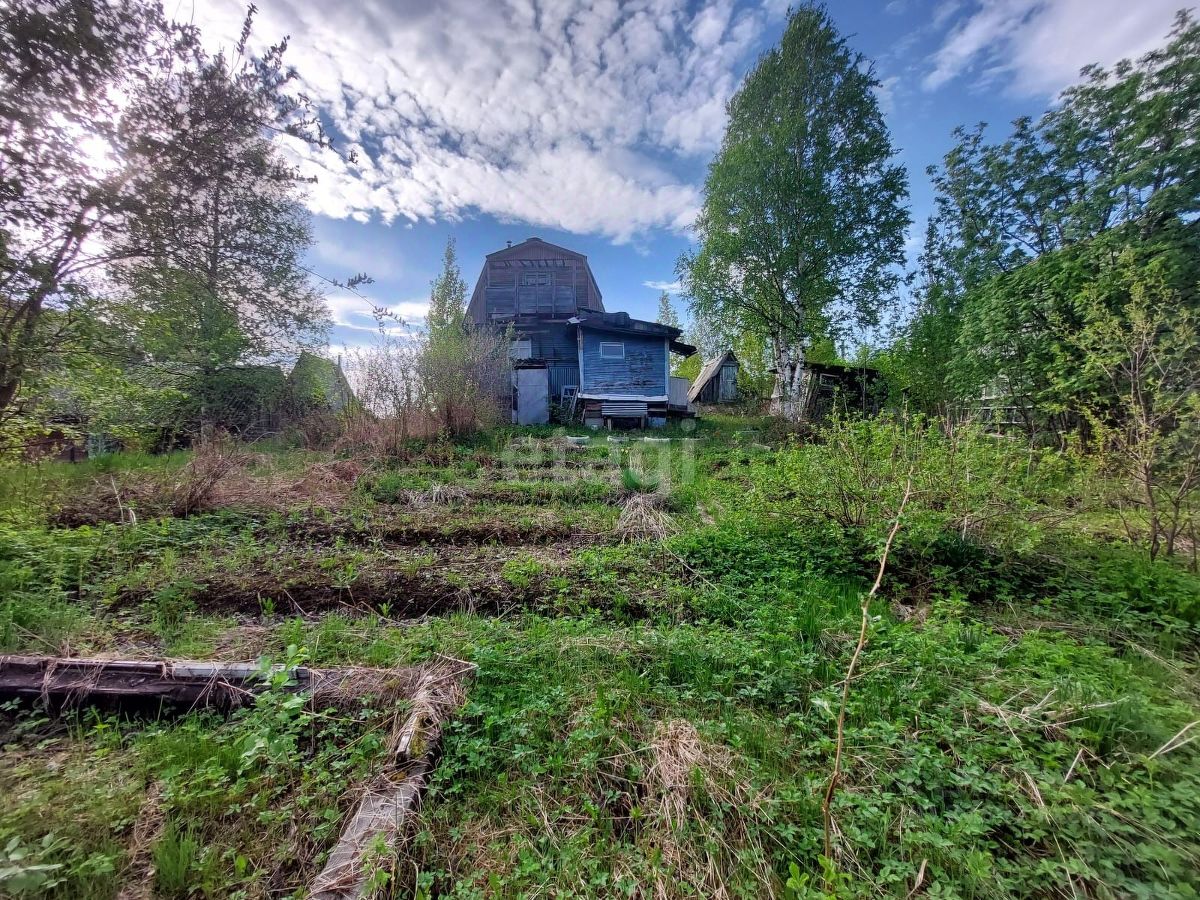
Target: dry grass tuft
(194,488)
(138,872)
(643,519)
(345,687)
(323,484)
(688,779)
(435,495)
(565,443)
(677,752)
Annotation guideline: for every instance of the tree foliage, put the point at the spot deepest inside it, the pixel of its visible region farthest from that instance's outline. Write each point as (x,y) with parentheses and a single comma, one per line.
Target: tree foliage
(1022,226)
(1138,384)
(463,371)
(803,223)
(666,311)
(1116,148)
(133,159)
(69,173)
(1021,327)
(218,245)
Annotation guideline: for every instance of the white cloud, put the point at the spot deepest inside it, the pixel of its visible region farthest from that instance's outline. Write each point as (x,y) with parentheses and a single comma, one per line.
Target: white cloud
(356,313)
(566,114)
(671,287)
(885,94)
(364,255)
(1039,46)
(944,10)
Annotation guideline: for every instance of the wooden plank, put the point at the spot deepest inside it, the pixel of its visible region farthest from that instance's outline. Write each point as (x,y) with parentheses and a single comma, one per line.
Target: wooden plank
(389,804)
(68,681)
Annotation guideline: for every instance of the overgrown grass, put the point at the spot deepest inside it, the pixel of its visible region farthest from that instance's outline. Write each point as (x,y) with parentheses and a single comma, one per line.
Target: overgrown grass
(652,718)
(242,806)
(29,492)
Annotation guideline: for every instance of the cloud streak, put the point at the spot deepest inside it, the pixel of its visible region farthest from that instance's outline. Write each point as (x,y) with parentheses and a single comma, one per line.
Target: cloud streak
(1036,47)
(354,313)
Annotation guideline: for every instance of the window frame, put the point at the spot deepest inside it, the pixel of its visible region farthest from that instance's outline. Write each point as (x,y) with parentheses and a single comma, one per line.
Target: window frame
(604,344)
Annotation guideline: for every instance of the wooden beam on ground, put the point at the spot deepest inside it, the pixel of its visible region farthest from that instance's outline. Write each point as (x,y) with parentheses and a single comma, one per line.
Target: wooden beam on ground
(388,806)
(70,681)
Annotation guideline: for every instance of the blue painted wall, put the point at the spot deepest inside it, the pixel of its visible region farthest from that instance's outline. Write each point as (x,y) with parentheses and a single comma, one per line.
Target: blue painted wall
(643,371)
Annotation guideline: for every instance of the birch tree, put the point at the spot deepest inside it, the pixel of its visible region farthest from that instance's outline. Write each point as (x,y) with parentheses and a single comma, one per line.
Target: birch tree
(801,234)
(67,176)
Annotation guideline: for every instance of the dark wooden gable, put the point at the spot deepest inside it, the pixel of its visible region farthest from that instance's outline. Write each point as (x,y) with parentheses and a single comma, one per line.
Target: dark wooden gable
(717,382)
(533,279)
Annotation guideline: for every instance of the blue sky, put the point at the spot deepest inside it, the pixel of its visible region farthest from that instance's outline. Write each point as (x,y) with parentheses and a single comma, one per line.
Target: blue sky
(589,123)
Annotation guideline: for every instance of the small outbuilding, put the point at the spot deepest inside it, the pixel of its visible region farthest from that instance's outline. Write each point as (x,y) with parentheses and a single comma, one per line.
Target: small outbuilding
(717,381)
(835,388)
(316,383)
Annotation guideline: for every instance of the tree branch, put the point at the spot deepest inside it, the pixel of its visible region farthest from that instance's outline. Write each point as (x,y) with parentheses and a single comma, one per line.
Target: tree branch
(835,776)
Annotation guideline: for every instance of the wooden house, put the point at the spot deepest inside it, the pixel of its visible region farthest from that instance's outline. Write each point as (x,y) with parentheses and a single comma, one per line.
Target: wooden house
(717,381)
(568,350)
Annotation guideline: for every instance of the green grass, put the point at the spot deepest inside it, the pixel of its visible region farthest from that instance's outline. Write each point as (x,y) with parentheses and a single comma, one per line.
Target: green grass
(645,720)
(28,491)
(179,861)
(225,805)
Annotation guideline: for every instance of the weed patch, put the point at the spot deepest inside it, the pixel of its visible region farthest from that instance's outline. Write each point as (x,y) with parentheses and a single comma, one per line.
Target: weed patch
(659,673)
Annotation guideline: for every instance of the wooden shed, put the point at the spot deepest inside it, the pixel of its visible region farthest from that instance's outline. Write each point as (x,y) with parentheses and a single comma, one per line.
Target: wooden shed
(717,381)
(833,387)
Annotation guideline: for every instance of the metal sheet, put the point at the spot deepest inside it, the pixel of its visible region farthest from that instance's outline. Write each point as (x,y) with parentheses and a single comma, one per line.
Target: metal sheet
(533,396)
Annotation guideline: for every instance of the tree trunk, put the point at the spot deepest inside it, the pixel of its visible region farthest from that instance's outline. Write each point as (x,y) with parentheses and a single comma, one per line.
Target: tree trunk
(19,345)
(17,341)
(1155,525)
(789,398)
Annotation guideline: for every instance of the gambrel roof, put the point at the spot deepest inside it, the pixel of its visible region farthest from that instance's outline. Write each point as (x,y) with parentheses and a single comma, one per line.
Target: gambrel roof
(527,254)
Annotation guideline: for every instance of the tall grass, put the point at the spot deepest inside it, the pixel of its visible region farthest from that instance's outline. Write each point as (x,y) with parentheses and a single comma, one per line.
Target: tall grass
(28,491)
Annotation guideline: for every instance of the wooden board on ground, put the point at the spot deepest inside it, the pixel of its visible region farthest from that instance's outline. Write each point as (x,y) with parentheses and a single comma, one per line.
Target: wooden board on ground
(67,681)
(388,806)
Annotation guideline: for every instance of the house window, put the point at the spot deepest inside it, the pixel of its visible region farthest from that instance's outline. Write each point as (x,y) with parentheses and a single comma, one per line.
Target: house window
(521,349)
(535,279)
(612,350)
